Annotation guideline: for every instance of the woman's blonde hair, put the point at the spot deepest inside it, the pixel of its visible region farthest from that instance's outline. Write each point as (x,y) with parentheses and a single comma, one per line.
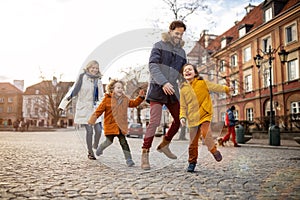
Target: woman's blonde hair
(111,85)
(92,63)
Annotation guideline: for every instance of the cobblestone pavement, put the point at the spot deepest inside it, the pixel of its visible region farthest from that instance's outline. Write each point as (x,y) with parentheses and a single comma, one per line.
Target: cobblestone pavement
(54,165)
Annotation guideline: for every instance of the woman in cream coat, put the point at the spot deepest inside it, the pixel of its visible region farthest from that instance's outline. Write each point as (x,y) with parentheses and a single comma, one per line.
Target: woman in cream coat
(89,92)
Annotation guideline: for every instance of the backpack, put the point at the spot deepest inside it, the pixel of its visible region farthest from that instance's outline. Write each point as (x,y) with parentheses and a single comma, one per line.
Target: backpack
(226,119)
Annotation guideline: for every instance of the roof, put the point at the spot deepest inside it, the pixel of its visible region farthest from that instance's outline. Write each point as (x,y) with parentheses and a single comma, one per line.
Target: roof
(7,88)
(253,18)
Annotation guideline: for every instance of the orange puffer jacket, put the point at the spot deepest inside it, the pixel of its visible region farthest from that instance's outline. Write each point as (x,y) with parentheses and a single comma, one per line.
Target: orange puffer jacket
(115,113)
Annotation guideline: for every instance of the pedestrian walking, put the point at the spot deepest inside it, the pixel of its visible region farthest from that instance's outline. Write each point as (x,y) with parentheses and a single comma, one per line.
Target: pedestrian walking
(166,60)
(230,129)
(114,106)
(196,111)
(88,89)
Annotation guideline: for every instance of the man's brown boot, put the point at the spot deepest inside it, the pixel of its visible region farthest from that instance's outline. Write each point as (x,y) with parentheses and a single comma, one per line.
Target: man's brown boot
(145,159)
(163,147)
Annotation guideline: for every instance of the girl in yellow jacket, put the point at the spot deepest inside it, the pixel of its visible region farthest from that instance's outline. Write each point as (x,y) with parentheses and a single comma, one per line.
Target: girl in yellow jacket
(196,109)
(114,106)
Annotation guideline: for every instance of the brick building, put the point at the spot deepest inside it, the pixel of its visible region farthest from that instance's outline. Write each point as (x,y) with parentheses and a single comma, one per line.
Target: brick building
(229,59)
(10,104)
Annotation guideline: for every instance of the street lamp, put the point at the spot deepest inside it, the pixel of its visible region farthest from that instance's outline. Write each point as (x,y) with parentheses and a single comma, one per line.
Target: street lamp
(258,61)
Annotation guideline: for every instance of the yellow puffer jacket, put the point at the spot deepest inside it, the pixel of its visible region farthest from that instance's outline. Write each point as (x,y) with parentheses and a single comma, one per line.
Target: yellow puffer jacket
(195,101)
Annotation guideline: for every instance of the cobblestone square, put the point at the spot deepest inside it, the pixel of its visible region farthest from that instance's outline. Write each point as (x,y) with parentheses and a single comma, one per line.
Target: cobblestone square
(54,165)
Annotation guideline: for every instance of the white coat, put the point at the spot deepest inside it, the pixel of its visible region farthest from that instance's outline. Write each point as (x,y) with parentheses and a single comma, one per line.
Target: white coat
(85,105)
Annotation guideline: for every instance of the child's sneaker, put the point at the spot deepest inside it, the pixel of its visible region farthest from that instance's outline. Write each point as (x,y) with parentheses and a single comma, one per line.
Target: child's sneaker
(191,167)
(129,162)
(217,155)
(99,151)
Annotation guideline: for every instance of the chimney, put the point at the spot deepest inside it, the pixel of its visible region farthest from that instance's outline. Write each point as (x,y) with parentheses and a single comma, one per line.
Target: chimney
(249,8)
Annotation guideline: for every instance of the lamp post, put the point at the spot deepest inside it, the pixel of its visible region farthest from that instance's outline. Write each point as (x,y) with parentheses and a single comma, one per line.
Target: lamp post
(258,61)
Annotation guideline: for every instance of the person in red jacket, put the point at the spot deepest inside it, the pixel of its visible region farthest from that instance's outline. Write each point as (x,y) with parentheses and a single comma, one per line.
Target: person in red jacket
(231,129)
(114,106)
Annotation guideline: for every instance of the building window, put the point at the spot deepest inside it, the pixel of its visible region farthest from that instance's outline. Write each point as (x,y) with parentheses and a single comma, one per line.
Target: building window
(295,109)
(223,43)
(233,60)
(249,114)
(9,109)
(293,70)
(242,32)
(248,83)
(268,14)
(9,99)
(222,95)
(247,54)
(1,109)
(1,100)
(266,44)
(236,114)
(222,66)
(291,33)
(37,92)
(223,116)
(234,85)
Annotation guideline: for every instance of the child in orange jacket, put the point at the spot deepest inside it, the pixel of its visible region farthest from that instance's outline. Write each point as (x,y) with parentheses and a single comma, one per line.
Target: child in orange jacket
(114,106)
(196,109)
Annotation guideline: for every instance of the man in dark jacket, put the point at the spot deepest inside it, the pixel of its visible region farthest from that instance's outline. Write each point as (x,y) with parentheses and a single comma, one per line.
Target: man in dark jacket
(166,60)
(231,128)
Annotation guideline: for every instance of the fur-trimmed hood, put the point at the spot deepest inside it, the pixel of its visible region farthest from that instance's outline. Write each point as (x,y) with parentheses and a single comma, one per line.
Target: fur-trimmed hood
(167,38)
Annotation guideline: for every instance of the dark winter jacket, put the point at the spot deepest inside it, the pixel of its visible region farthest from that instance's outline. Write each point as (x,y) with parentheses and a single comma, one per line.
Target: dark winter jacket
(165,63)
(231,117)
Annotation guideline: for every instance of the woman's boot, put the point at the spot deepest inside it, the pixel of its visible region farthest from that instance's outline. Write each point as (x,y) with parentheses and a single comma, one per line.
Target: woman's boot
(145,159)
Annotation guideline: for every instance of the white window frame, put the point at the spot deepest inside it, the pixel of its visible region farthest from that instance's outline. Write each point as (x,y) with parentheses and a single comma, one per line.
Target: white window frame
(291,34)
(236,114)
(268,13)
(233,60)
(222,65)
(222,95)
(10,99)
(9,109)
(293,69)
(247,54)
(249,114)
(266,43)
(295,109)
(242,32)
(248,83)
(234,85)
(223,43)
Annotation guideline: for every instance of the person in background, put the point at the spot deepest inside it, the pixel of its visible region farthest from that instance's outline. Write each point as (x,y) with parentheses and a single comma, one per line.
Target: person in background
(196,110)
(231,129)
(166,60)
(114,106)
(88,89)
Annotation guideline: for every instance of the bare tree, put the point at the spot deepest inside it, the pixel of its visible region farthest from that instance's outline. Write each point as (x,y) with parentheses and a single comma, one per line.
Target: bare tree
(182,9)
(45,98)
(134,83)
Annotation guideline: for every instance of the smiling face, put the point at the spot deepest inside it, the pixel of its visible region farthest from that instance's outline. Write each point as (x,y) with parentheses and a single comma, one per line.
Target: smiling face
(176,35)
(118,89)
(93,69)
(189,73)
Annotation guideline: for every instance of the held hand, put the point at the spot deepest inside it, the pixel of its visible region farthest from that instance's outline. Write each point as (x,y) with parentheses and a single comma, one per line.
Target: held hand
(142,93)
(182,121)
(168,89)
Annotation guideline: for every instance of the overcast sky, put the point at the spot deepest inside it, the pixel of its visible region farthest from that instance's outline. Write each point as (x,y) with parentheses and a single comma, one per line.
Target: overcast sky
(56,37)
